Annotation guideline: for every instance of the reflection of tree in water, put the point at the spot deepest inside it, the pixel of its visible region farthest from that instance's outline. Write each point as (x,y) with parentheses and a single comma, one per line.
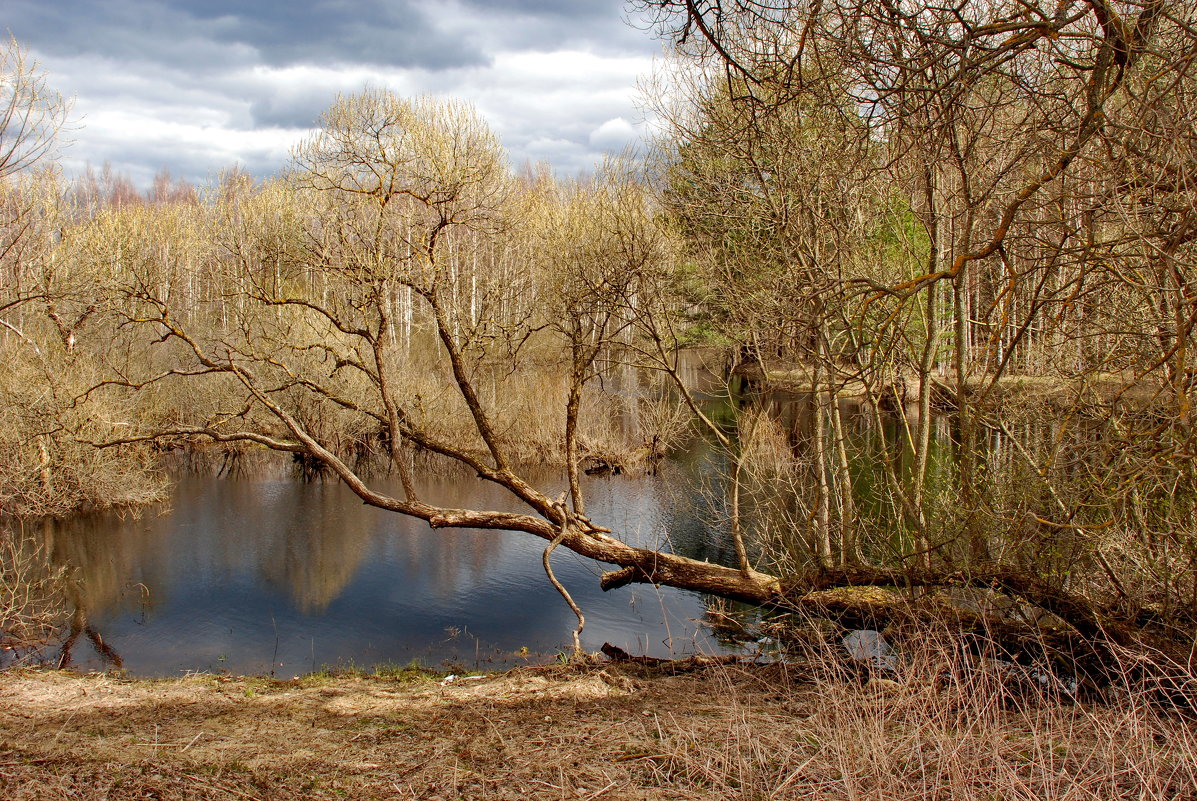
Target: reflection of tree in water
(31,606)
(104,556)
(447,562)
(80,625)
(692,501)
(312,541)
(43,598)
(312,538)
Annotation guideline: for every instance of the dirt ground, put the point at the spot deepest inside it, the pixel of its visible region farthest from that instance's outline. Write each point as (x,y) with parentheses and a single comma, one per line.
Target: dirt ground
(584,733)
(553,733)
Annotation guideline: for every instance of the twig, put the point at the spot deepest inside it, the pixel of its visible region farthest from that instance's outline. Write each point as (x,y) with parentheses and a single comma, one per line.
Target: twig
(597,793)
(230,790)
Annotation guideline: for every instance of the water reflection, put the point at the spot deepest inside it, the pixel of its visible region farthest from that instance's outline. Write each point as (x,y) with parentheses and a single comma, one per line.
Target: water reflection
(268,574)
(260,572)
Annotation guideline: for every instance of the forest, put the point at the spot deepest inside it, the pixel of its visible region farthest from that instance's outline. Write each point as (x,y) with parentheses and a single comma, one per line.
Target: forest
(962,234)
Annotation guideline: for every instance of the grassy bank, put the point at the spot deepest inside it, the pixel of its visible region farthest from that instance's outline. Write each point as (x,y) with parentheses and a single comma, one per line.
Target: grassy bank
(590,732)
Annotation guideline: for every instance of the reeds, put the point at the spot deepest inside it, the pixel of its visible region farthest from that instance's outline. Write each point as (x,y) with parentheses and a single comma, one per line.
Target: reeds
(952,722)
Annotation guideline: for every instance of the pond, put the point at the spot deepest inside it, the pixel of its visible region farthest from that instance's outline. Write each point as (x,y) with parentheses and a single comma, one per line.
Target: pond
(261,572)
(267,574)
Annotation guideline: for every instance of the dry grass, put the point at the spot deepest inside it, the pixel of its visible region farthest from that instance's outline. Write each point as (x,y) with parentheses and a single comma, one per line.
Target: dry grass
(945,730)
(591,732)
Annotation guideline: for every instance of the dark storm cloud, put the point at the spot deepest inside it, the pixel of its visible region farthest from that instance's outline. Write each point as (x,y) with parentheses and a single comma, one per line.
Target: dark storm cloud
(594,25)
(298,109)
(397,33)
(196,85)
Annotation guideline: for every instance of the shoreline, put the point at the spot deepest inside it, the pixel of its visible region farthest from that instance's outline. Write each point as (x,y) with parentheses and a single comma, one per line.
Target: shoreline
(586,731)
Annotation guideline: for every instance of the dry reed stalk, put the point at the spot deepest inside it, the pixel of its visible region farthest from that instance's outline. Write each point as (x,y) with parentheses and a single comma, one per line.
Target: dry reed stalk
(951,726)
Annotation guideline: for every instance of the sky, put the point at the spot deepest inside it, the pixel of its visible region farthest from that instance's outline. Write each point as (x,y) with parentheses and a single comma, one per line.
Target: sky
(196,86)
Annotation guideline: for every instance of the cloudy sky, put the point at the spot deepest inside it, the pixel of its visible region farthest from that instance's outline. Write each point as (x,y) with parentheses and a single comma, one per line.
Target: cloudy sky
(195,86)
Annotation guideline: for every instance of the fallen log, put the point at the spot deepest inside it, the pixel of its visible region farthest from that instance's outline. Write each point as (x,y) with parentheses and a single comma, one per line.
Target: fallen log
(617,654)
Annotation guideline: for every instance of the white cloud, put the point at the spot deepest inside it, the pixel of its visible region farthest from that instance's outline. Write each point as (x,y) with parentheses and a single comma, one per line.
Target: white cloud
(613,135)
(216,101)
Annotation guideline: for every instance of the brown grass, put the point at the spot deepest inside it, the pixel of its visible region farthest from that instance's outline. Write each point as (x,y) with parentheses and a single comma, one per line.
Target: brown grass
(753,732)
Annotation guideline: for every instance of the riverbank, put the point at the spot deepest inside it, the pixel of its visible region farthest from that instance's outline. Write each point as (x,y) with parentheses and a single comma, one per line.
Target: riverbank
(1012,388)
(563,732)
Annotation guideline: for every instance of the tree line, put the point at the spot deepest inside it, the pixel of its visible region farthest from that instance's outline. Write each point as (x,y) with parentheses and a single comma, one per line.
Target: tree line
(909,209)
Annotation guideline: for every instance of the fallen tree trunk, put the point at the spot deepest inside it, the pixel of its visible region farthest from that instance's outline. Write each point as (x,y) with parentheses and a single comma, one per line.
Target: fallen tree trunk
(1103,627)
(553,521)
(617,654)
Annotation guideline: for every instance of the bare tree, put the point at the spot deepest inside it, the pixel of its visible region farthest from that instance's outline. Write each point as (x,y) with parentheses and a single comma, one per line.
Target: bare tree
(31,113)
(389,184)
(400,247)
(1024,174)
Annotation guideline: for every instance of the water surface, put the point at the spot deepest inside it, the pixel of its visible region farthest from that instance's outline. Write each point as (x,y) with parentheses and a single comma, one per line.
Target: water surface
(272,575)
